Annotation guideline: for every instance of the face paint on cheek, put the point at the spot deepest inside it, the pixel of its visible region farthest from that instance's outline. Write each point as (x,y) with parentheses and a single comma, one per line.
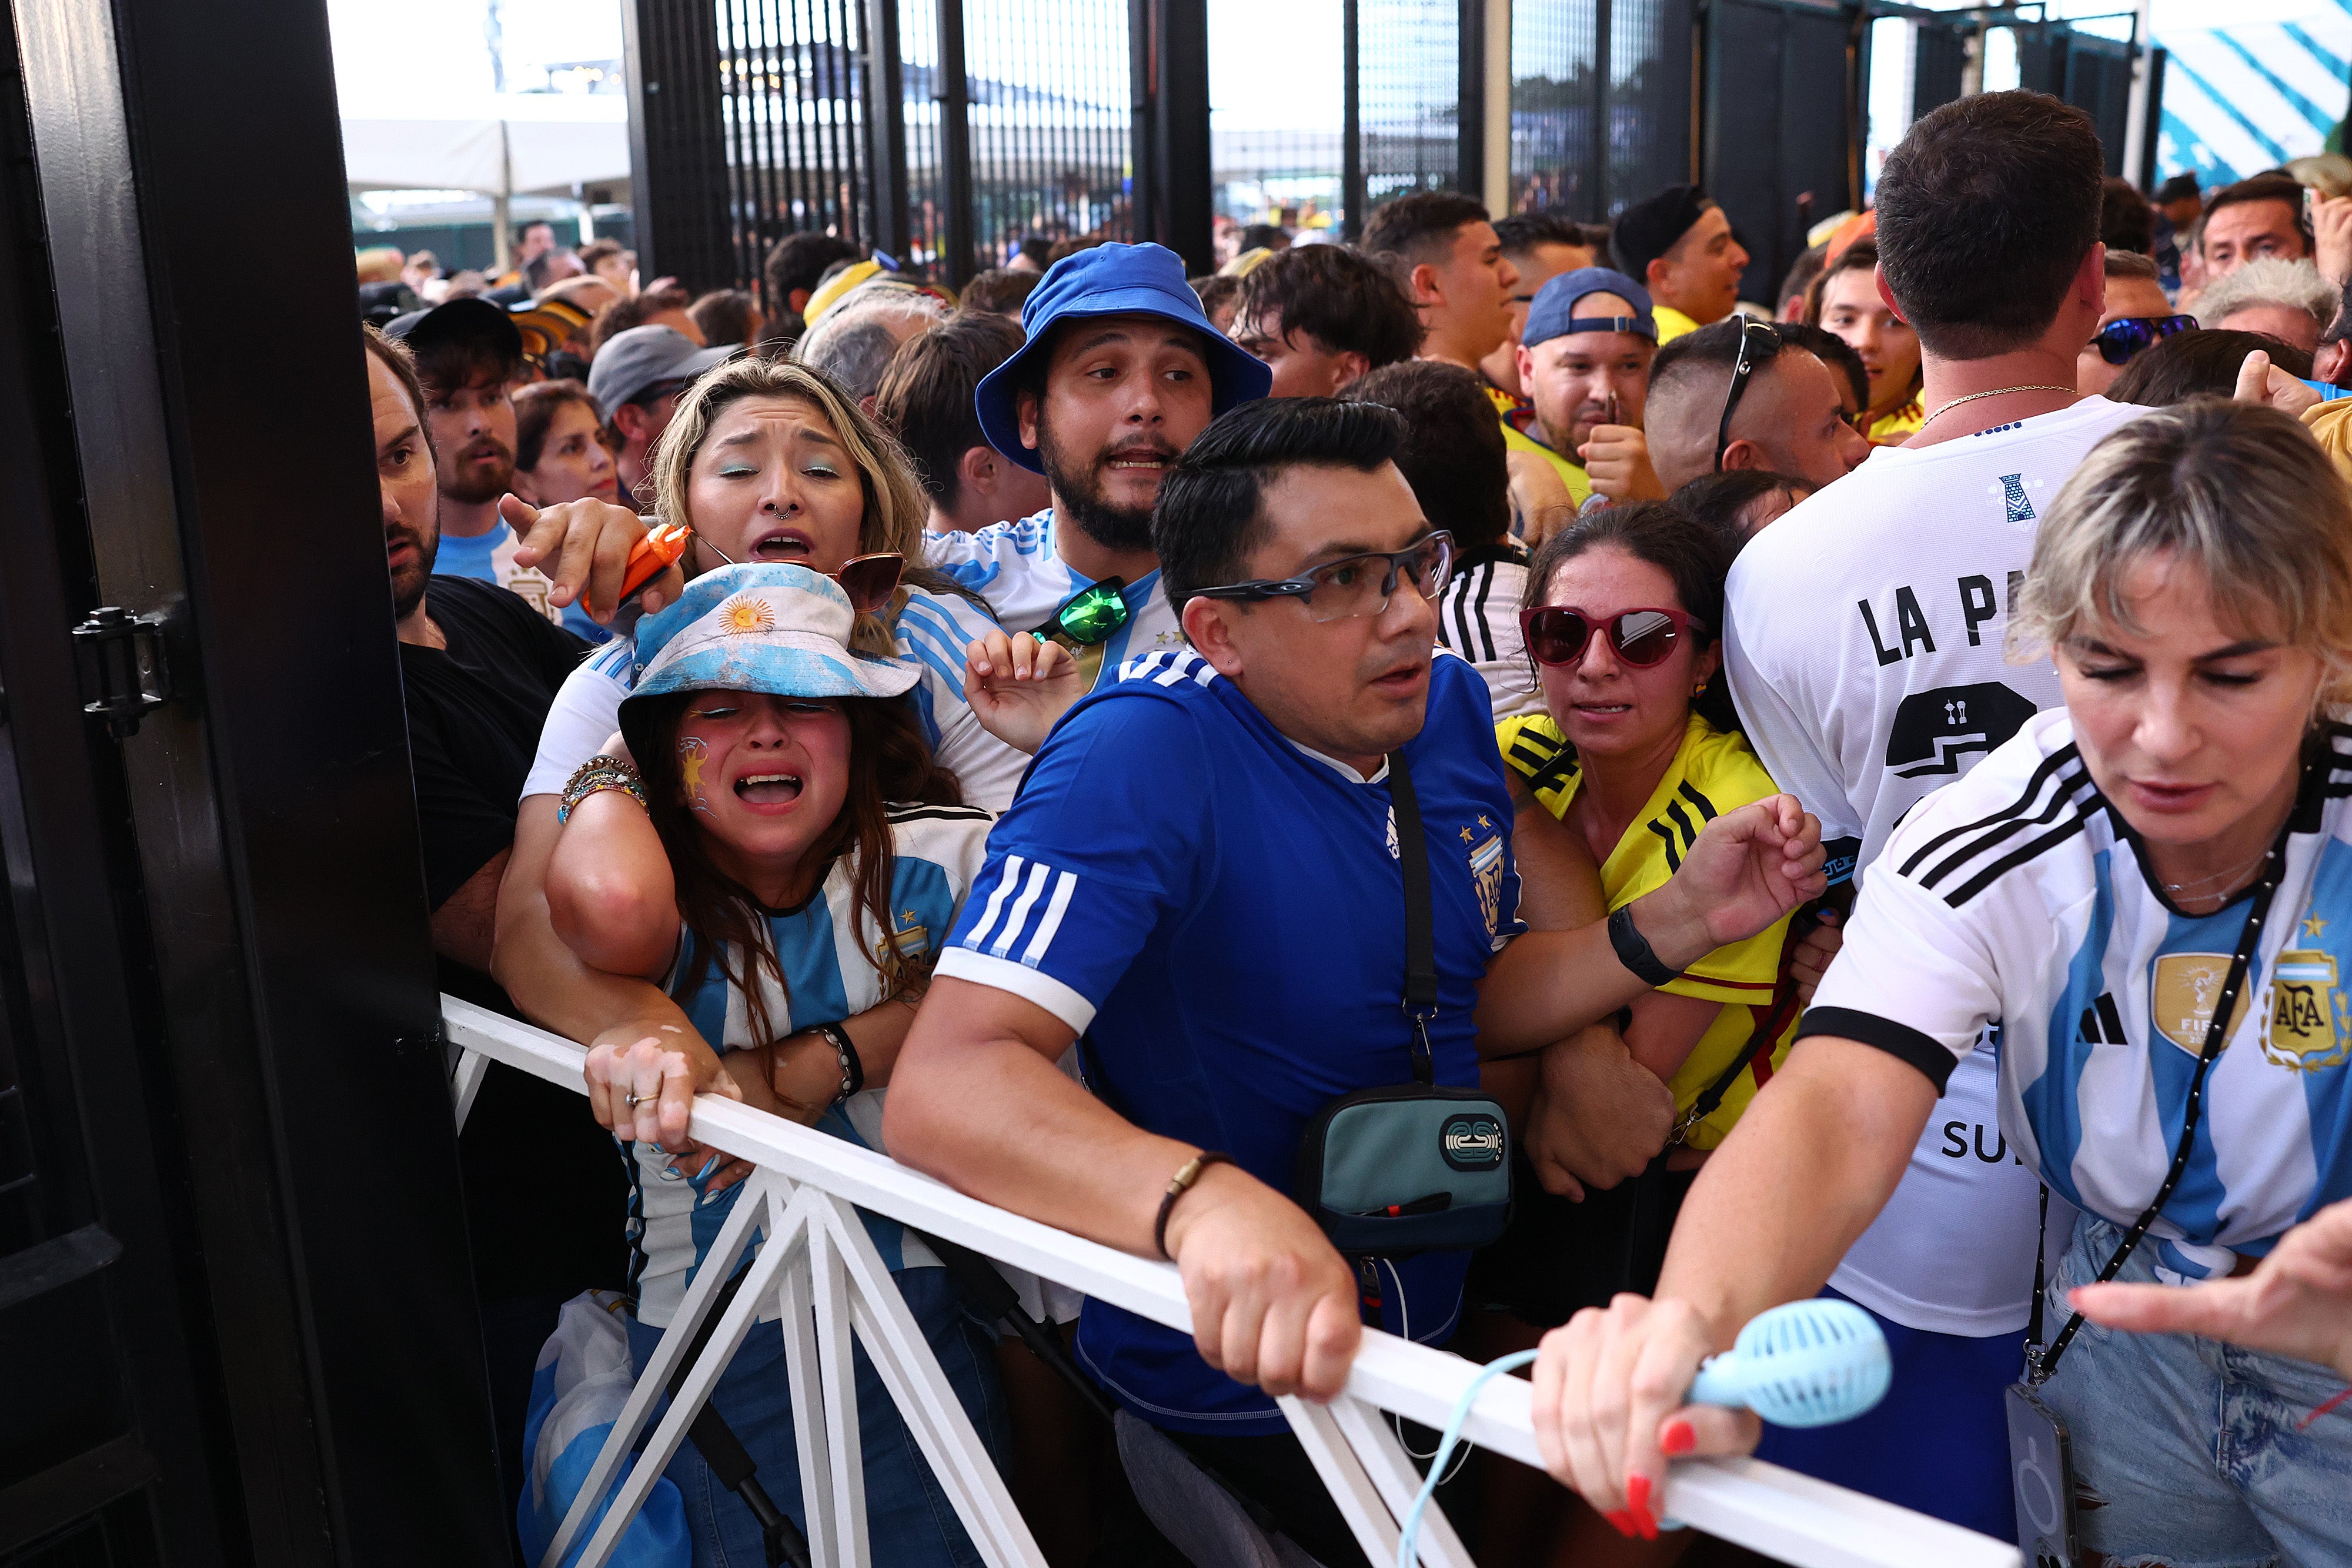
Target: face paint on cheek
(692,754)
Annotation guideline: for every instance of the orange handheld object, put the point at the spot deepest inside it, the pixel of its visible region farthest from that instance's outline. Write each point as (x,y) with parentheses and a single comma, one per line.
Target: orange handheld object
(653,555)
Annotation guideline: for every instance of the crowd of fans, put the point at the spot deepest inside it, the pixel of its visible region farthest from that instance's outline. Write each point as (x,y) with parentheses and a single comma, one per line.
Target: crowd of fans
(1024,767)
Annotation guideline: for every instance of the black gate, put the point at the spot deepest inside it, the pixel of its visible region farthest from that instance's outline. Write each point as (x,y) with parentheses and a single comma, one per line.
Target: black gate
(1781,142)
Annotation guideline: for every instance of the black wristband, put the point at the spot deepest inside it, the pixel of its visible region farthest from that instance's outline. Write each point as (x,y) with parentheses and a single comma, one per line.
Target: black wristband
(853,1069)
(1177,1186)
(1633,949)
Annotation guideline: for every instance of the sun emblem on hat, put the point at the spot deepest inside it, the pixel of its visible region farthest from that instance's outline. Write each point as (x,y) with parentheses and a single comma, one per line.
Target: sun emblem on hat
(744,615)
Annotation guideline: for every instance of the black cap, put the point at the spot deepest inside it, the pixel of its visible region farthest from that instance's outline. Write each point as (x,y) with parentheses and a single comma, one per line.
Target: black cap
(1649,228)
(466,320)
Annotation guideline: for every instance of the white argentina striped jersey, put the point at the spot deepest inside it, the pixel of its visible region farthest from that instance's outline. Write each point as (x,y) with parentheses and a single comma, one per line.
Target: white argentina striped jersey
(823,948)
(2018,897)
(1018,569)
(932,632)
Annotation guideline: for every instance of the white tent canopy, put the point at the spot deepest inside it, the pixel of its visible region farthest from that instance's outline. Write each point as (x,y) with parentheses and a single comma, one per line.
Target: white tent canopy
(510,145)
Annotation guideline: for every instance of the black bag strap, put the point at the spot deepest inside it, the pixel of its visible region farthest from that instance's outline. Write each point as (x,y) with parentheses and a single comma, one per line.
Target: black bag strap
(2040,1364)
(1419,1002)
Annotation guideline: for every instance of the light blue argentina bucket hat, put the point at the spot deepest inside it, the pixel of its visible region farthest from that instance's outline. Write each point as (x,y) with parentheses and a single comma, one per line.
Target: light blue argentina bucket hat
(762,627)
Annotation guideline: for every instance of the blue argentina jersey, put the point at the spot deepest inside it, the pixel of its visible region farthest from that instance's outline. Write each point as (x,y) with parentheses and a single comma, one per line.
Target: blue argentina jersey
(2017,896)
(932,633)
(1222,913)
(825,949)
(1018,569)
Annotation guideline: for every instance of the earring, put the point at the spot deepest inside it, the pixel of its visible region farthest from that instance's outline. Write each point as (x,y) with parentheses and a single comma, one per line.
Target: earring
(1699,690)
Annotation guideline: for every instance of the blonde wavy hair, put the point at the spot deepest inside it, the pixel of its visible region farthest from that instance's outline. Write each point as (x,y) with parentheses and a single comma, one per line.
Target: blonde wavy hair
(2240,493)
(896,505)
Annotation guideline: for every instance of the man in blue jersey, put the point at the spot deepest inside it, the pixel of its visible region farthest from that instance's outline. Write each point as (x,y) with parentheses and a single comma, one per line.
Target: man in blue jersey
(1201,876)
(1119,372)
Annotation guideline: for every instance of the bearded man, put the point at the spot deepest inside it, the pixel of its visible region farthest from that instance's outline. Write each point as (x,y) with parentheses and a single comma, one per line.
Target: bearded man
(1119,371)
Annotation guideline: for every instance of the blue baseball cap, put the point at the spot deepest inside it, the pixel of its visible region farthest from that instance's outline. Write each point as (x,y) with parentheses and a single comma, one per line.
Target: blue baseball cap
(1111,280)
(1552,313)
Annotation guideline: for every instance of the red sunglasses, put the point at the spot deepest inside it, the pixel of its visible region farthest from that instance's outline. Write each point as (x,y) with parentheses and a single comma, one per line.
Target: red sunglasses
(1558,634)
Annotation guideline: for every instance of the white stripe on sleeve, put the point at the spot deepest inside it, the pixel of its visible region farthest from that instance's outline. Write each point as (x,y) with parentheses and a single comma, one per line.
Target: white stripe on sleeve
(1021,909)
(1064,884)
(1004,881)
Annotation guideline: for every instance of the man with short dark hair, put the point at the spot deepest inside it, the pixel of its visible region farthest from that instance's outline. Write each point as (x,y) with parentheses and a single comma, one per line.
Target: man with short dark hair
(1450,263)
(2262,216)
(1540,246)
(466,352)
(795,266)
(1201,877)
(999,292)
(726,316)
(1119,370)
(1320,316)
(1865,642)
(1678,245)
(926,400)
(1739,394)
(635,379)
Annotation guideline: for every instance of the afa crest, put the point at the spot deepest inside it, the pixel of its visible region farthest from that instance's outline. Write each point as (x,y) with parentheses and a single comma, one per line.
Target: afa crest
(2308,1025)
(1486,872)
(908,943)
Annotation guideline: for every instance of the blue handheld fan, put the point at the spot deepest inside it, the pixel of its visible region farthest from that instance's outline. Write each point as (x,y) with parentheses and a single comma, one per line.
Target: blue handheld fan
(1803,1364)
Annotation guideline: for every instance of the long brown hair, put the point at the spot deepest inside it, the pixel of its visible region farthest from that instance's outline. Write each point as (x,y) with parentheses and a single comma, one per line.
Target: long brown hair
(890,764)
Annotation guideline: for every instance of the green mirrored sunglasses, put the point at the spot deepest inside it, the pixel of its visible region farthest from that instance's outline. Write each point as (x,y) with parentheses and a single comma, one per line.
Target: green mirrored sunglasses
(1090,615)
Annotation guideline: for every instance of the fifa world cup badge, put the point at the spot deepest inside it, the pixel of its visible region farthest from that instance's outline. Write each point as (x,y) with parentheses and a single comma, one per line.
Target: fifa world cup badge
(2181,1002)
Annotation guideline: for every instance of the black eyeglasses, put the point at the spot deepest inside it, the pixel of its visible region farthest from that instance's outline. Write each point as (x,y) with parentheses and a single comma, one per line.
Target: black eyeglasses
(1742,368)
(2118,341)
(1354,584)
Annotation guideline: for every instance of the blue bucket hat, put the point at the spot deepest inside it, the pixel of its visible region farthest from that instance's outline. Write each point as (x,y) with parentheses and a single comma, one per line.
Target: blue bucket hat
(762,627)
(1111,280)
(1553,313)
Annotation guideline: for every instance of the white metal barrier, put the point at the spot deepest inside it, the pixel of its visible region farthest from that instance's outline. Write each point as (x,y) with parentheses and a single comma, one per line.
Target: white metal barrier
(818,1264)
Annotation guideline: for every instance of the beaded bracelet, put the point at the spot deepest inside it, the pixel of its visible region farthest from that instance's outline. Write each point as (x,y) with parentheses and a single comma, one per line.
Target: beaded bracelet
(599,772)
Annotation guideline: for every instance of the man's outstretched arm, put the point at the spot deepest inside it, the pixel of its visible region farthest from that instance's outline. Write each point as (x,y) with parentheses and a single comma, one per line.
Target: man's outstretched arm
(977,1102)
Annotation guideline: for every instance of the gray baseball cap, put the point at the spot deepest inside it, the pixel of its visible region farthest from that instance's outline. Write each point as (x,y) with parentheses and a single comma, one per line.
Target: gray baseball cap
(644,357)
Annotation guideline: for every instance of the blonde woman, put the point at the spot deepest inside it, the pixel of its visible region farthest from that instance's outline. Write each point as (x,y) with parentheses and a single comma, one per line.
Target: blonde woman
(2149,894)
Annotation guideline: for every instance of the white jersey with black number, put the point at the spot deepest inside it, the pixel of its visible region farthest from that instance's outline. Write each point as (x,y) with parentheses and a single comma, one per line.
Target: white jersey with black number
(1478,618)
(1864,638)
(2018,899)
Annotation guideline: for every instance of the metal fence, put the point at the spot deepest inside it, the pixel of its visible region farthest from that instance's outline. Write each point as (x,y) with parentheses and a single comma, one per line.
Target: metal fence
(946,131)
(824,1286)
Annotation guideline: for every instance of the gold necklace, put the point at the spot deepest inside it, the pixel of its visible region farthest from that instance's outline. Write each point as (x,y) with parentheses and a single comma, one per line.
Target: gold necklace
(1943,409)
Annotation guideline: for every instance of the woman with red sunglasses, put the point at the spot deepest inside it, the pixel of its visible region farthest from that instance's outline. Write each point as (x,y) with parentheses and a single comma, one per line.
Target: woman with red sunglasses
(1638,749)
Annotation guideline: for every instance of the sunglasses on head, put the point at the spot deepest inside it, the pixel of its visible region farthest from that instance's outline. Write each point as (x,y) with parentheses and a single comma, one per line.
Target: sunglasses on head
(1558,633)
(866,581)
(2118,341)
(1751,335)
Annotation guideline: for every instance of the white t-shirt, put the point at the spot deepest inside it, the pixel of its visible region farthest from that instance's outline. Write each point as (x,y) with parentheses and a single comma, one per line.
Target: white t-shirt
(933,630)
(1018,569)
(1478,618)
(2018,899)
(1863,637)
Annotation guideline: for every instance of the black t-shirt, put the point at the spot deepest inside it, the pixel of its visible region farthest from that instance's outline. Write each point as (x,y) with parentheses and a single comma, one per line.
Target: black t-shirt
(474,711)
(545,1192)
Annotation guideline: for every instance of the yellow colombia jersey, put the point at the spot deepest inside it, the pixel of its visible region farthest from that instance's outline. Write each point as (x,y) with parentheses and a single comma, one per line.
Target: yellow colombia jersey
(1713,773)
(1895,428)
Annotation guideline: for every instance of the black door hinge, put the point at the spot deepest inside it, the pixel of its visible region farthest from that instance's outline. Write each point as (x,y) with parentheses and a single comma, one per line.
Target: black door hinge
(124,673)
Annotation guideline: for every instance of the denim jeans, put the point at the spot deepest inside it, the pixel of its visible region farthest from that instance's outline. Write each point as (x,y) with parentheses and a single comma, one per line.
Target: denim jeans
(2189,1452)
(910,1521)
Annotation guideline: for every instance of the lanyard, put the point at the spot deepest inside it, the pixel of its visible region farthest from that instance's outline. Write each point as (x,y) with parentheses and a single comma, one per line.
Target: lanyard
(2041,1364)
(1420,1000)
